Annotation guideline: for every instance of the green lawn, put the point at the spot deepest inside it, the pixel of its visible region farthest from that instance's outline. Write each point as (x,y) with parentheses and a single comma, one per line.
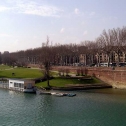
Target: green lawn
(61,82)
(6,72)
(3,67)
(20,73)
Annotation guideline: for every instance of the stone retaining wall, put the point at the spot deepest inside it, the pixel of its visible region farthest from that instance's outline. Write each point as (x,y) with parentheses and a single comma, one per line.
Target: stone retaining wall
(116,78)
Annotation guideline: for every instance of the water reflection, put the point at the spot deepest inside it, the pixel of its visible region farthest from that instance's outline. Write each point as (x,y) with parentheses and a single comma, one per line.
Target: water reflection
(89,108)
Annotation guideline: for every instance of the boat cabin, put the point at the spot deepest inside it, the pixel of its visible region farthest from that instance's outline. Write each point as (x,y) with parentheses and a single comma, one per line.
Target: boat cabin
(24,85)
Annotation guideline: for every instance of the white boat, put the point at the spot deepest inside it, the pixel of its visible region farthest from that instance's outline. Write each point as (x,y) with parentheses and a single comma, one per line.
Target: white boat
(63,94)
(71,94)
(57,94)
(29,90)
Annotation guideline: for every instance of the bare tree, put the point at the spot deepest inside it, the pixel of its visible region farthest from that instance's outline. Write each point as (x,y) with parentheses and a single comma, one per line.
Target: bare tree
(82,52)
(107,40)
(98,49)
(119,38)
(89,50)
(45,60)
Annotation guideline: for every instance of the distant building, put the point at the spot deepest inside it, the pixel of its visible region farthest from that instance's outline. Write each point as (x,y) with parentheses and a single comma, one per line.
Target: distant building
(102,58)
(5,57)
(6,52)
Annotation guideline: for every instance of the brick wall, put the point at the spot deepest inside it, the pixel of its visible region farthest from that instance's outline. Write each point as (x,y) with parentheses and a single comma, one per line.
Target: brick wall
(116,78)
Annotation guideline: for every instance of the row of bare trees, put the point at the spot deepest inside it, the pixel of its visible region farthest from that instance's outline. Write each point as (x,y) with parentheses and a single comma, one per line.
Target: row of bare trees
(112,41)
(109,42)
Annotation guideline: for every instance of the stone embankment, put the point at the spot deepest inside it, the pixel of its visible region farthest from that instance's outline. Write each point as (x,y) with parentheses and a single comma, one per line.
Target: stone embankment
(72,87)
(116,78)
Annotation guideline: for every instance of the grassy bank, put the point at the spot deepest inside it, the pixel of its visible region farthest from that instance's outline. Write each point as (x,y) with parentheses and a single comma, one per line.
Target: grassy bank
(61,82)
(3,67)
(20,73)
(6,72)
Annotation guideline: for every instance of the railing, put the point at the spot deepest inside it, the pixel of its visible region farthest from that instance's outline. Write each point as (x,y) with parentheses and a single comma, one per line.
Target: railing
(4,85)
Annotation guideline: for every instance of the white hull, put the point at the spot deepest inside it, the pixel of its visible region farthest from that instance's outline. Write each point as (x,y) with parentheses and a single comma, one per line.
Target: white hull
(29,91)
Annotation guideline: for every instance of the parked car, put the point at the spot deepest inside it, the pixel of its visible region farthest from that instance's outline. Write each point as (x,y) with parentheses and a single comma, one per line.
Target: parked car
(113,64)
(122,64)
(92,65)
(103,64)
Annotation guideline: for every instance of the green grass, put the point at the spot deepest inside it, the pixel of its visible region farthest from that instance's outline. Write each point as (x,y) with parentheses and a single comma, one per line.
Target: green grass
(3,67)
(61,82)
(6,72)
(21,73)
(54,73)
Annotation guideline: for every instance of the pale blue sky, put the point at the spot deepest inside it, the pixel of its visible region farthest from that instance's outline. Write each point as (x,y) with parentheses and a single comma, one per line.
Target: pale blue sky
(25,24)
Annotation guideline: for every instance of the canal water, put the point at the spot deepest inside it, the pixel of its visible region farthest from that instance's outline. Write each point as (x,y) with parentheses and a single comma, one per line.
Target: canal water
(104,107)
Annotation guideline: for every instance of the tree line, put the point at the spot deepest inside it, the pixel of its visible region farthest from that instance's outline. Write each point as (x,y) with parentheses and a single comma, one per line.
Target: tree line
(108,42)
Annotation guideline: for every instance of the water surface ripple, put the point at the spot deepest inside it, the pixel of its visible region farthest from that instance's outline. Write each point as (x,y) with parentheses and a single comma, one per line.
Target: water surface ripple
(106,107)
